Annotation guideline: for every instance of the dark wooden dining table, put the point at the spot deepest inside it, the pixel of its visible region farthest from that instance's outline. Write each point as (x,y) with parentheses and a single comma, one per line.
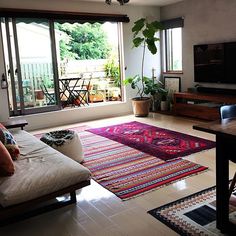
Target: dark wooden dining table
(225,131)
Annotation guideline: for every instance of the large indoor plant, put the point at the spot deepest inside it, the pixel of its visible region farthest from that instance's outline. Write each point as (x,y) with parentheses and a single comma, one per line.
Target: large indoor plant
(144,35)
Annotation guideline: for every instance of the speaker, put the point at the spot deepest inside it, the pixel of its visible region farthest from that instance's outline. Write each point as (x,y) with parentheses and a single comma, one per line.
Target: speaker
(192,90)
(216,90)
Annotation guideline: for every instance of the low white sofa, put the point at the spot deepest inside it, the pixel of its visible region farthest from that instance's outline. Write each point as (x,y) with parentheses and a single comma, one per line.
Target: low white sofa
(41,174)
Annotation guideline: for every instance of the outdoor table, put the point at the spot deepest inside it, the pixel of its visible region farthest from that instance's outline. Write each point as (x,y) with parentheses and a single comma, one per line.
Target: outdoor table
(73,90)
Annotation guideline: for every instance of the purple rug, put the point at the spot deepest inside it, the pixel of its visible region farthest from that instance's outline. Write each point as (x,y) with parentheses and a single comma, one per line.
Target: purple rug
(162,143)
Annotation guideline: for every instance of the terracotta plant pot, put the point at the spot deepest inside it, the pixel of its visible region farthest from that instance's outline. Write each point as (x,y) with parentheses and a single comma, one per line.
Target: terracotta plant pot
(39,94)
(141,106)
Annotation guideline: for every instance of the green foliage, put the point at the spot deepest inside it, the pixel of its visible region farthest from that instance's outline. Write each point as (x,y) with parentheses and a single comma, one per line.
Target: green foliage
(47,81)
(134,82)
(65,52)
(153,87)
(144,32)
(84,41)
(144,35)
(112,70)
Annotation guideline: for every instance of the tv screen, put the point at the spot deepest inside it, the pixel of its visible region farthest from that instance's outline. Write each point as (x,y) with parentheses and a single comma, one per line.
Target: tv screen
(215,63)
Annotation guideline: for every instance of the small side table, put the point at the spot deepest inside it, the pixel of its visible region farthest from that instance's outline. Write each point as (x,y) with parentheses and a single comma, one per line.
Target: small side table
(10,124)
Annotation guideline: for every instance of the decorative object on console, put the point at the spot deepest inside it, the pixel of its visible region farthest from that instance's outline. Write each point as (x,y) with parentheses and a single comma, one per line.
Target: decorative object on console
(162,143)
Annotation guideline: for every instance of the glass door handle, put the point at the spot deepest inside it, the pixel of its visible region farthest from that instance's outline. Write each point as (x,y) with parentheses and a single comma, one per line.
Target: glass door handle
(4,82)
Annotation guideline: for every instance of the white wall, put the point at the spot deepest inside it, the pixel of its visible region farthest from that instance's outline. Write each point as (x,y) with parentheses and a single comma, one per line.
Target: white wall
(205,21)
(131,57)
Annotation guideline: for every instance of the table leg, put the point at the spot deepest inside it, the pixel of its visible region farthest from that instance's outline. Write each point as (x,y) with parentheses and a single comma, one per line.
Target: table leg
(222,184)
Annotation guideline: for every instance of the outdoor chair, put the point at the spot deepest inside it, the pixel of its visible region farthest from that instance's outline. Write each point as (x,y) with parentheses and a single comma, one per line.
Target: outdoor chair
(229,111)
(50,95)
(80,92)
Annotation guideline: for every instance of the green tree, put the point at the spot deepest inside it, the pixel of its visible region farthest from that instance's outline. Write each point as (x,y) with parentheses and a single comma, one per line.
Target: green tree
(83,41)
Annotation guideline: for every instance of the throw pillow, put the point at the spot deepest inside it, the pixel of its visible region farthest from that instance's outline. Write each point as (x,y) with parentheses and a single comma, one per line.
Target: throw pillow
(6,164)
(9,142)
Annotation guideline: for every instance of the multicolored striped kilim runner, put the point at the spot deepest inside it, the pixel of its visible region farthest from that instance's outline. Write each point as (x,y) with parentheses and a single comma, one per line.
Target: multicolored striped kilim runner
(128,172)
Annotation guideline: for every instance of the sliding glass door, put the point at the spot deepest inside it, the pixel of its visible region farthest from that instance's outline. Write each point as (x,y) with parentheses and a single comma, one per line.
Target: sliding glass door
(40,53)
(31,68)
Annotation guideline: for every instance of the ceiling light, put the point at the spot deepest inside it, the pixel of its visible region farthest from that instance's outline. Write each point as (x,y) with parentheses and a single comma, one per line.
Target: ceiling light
(122,2)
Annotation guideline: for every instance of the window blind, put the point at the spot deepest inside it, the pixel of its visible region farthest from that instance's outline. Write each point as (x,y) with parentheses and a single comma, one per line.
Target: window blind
(71,17)
(173,23)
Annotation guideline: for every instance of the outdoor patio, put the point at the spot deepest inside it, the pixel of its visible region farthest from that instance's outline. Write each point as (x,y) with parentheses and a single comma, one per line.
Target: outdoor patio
(81,83)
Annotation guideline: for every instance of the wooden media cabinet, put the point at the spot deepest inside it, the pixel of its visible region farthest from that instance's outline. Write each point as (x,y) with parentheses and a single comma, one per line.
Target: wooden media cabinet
(201,105)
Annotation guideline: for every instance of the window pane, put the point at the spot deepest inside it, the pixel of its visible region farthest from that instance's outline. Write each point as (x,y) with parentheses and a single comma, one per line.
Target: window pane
(90,50)
(35,57)
(173,49)
(177,48)
(8,66)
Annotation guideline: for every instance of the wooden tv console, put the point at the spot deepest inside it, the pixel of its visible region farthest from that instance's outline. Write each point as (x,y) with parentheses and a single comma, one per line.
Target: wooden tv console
(201,105)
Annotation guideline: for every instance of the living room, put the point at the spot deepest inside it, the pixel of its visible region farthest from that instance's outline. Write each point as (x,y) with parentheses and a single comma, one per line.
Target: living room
(98,211)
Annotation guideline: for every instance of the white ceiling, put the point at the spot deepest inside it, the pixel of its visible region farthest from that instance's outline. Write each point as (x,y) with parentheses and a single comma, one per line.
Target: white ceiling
(140,2)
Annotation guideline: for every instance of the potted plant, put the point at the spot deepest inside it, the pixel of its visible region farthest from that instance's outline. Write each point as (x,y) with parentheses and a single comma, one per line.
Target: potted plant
(171,98)
(112,71)
(164,101)
(156,90)
(144,35)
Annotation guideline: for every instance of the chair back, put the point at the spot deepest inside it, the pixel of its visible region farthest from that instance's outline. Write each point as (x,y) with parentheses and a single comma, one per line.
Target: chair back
(50,97)
(228,111)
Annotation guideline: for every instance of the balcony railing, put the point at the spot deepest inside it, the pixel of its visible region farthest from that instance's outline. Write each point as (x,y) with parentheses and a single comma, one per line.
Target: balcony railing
(37,75)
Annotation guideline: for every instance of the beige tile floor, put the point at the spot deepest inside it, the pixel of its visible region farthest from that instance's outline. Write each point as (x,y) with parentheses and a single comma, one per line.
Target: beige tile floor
(100,213)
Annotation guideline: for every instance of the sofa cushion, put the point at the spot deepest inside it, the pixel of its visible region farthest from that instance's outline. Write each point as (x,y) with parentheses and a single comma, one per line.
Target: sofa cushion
(9,142)
(40,170)
(6,163)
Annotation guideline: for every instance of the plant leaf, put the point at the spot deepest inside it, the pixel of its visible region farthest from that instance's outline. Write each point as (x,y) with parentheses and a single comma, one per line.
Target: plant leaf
(151,46)
(137,41)
(128,80)
(156,39)
(149,32)
(138,25)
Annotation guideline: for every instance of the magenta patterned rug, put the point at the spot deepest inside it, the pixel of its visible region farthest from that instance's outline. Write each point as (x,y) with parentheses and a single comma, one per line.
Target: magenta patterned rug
(162,143)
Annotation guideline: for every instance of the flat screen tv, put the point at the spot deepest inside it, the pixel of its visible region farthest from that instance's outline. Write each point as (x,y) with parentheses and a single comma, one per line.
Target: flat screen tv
(215,63)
